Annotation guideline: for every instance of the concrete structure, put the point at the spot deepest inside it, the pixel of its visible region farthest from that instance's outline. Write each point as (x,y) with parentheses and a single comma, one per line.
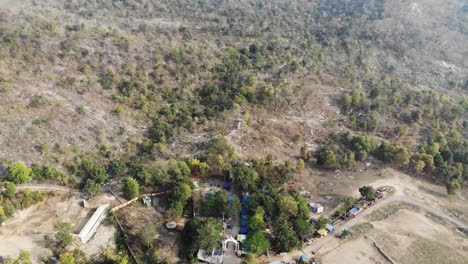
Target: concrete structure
(330,228)
(316,208)
(147,200)
(93,223)
(230,239)
(239,123)
(171,225)
(203,256)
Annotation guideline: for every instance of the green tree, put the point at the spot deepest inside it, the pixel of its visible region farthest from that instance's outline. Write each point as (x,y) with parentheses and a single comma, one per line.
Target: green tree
(19,173)
(66,258)
(327,158)
(201,234)
(179,197)
(347,102)
(367,192)
(251,259)
(220,152)
(385,152)
(257,243)
(80,257)
(245,178)
(350,160)
(147,235)
(91,187)
(214,205)
(402,156)
(3,216)
(356,97)
(302,227)
(418,168)
(63,235)
(303,211)
(288,205)
(116,168)
(300,165)
(131,188)
(285,237)
(321,223)
(24,258)
(10,189)
(453,186)
(257,221)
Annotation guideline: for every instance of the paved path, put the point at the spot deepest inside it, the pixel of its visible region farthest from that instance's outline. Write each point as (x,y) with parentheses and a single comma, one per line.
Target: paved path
(382,203)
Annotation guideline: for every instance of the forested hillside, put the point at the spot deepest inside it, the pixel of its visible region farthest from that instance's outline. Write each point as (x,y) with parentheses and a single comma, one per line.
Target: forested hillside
(95,90)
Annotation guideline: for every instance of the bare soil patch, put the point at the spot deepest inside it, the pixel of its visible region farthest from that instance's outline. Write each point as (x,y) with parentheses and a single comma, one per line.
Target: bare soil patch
(403,236)
(360,251)
(136,217)
(33,229)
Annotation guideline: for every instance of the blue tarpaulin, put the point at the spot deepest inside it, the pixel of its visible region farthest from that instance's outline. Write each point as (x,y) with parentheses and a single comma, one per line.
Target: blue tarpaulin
(230,197)
(303,257)
(353,210)
(244,199)
(244,211)
(244,220)
(243,230)
(227,186)
(330,228)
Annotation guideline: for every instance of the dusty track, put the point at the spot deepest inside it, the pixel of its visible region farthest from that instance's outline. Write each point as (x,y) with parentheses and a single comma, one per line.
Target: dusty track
(44,187)
(382,203)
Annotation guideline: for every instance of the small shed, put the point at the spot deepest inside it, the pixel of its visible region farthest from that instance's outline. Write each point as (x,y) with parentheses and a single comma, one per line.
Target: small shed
(241,238)
(316,208)
(353,211)
(322,232)
(330,228)
(147,201)
(303,257)
(239,123)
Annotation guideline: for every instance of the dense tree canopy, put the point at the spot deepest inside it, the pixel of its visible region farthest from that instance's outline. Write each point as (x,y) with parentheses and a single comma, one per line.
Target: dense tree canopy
(18,173)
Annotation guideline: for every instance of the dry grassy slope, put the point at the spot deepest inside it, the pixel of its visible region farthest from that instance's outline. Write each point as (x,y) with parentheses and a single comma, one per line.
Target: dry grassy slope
(441,55)
(429,31)
(65,120)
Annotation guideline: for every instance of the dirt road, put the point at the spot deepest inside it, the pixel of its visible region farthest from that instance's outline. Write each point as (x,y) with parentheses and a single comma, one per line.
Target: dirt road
(382,203)
(44,187)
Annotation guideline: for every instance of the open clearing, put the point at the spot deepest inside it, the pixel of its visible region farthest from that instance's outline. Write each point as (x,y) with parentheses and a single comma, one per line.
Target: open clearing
(32,229)
(136,217)
(407,236)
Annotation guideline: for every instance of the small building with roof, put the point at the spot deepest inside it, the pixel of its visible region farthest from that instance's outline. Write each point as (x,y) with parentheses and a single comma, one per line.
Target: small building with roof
(353,211)
(322,232)
(316,208)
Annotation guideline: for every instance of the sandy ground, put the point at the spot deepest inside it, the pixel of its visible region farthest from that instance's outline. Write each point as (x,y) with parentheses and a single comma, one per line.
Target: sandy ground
(360,251)
(405,237)
(32,229)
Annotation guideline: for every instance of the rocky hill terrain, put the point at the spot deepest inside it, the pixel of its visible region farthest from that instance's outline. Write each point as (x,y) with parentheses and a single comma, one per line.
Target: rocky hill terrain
(167,91)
